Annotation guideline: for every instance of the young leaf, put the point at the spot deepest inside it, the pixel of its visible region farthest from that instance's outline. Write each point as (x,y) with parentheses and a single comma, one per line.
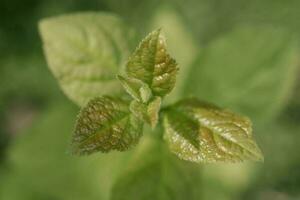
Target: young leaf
(136,88)
(105,124)
(139,110)
(153,111)
(147,112)
(85,51)
(220,134)
(151,64)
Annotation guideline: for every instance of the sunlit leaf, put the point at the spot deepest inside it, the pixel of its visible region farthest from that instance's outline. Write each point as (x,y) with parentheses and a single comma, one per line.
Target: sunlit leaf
(85,51)
(105,124)
(221,135)
(151,64)
(184,125)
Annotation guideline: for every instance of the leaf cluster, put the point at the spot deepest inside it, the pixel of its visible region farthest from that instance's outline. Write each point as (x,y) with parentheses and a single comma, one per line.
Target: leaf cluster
(87,54)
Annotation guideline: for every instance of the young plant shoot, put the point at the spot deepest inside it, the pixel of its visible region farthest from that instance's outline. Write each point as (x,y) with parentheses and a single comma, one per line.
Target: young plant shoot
(119,93)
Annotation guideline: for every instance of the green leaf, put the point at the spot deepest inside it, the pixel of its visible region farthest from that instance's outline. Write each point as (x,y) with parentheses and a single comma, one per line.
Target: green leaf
(149,113)
(105,124)
(136,88)
(155,174)
(151,64)
(153,111)
(85,51)
(181,45)
(251,70)
(184,125)
(221,135)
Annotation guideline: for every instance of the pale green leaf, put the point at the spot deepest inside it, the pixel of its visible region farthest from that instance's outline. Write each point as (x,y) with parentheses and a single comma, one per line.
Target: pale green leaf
(149,113)
(145,93)
(105,124)
(136,88)
(154,174)
(151,64)
(251,70)
(85,51)
(153,111)
(221,135)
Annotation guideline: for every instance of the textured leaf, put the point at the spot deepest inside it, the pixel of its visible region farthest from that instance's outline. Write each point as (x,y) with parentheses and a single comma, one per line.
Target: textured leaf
(251,70)
(221,135)
(85,51)
(181,45)
(184,125)
(149,113)
(136,88)
(156,174)
(105,124)
(151,64)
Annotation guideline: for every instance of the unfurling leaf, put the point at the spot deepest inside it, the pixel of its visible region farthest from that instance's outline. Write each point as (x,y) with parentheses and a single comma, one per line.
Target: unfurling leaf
(202,132)
(153,111)
(151,64)
(150,75)
(105,124)
(136,88)
(85,51)
(139,110)
(149,113)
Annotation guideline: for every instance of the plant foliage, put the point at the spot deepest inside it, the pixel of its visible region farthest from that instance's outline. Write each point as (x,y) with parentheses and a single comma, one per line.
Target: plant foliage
(86,51)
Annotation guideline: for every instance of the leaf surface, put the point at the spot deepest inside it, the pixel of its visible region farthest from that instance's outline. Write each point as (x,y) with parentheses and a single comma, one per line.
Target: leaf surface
(201,132)
(151,64)
(85,51)
(105,124)
(136,88)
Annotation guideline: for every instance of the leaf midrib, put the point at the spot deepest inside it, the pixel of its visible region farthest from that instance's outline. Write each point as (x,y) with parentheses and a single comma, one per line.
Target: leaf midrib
(105,127)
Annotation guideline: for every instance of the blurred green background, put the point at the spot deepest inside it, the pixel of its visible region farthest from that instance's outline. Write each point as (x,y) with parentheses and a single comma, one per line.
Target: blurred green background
(243,55)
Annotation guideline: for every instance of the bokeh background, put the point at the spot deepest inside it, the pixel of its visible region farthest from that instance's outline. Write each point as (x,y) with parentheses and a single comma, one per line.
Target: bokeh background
(243,55)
